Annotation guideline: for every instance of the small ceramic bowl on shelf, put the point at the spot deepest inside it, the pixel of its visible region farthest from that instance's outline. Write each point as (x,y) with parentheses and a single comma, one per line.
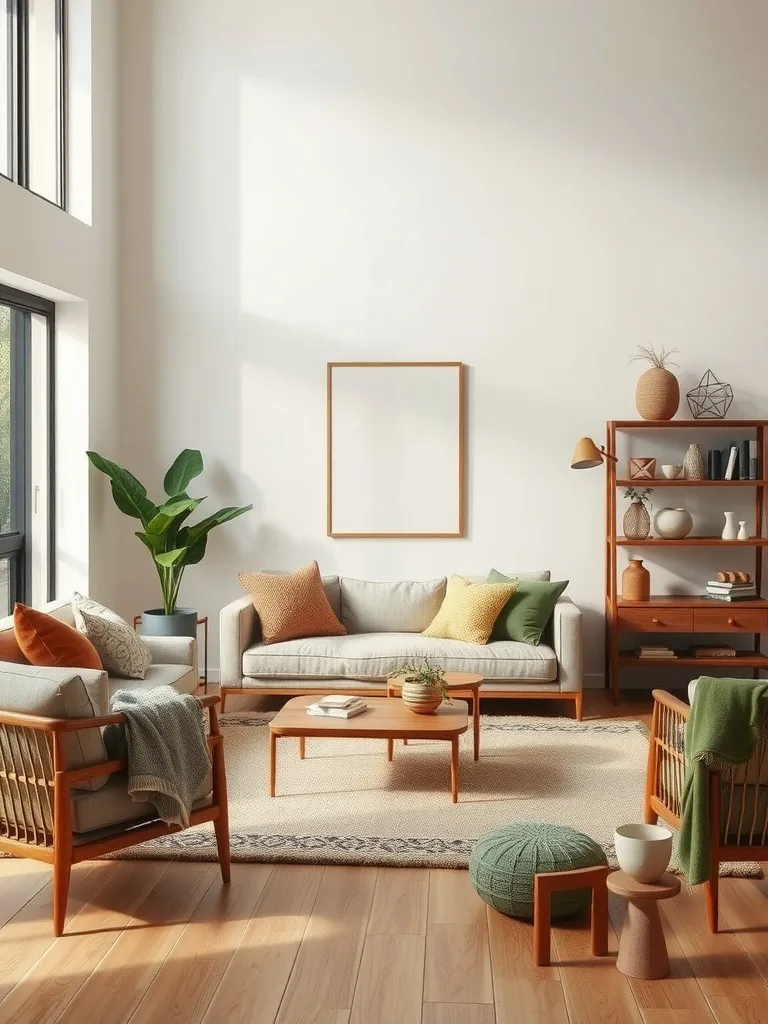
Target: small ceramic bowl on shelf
(643,851)
(672,472)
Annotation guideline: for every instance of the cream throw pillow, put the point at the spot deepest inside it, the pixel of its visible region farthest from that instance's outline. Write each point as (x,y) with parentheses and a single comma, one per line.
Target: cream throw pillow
(469,610)
(121,649)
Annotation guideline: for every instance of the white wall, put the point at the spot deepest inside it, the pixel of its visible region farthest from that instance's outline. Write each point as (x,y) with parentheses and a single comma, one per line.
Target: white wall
(529,186)
(46,251)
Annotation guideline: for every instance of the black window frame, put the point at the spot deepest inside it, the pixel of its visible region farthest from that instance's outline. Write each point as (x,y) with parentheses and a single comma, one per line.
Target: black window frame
(18,81)
(16,545)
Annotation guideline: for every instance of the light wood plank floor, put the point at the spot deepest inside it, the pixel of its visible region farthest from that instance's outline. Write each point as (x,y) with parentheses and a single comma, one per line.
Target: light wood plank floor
(294,944)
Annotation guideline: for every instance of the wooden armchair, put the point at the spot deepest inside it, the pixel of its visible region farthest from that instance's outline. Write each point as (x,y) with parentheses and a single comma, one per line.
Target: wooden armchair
(738,805)
(36,807)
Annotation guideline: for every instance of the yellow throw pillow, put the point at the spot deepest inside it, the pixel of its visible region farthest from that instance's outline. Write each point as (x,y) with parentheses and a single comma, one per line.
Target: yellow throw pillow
(469,610)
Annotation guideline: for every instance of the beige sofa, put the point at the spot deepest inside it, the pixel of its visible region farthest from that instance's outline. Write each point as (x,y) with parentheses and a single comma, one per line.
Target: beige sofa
(384,623)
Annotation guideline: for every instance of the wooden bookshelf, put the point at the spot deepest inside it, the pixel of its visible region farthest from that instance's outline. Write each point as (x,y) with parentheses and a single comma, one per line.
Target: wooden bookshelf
(683,614)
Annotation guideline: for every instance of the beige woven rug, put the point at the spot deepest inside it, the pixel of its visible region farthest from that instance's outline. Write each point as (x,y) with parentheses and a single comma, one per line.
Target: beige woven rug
(345,804)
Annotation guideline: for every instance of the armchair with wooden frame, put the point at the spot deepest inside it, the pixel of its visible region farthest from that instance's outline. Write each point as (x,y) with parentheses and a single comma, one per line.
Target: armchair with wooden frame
(36,808)
(738,798)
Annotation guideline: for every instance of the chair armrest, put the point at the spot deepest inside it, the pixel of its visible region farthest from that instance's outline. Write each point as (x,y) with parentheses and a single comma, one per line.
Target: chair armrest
(567,642)
(76,724)
(673,703)
(237,628)
(173,650)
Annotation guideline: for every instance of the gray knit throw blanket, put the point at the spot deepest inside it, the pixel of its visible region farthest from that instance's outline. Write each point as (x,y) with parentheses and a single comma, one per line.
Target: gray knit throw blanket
(166,747)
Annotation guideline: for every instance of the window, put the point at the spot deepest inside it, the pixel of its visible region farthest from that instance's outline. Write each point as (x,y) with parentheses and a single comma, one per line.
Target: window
(33,95)
(26,446)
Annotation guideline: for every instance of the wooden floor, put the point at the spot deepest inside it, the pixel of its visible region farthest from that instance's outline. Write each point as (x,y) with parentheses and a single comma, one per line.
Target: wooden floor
(148,941)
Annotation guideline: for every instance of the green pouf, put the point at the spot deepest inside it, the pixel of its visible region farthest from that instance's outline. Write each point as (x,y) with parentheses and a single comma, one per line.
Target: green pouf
(505,860)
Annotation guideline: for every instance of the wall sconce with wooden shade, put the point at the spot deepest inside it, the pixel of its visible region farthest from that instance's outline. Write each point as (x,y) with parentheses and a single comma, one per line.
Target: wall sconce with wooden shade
(587,455)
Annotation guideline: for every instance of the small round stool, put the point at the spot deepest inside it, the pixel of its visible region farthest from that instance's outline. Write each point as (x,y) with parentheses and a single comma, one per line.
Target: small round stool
(504,862)
(642,947)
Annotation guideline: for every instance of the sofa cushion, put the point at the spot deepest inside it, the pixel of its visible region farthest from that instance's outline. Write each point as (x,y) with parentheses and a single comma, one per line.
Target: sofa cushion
(61,693)
(407,606)
(121,648)
(47,641)
(539,574)
(527,613)
(113,805)
(469,610)
(375,655)
(181,677)
(291,605)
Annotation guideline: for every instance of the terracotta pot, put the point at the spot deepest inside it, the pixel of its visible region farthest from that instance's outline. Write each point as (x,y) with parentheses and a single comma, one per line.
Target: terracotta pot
(657,395)
(635,581)
(422,700)
(637,522)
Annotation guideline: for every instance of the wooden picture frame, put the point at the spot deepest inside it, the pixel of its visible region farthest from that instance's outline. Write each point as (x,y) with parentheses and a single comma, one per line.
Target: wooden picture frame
(386,422)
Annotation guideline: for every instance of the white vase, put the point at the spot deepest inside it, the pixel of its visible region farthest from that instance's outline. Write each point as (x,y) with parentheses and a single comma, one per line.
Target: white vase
(743,535)
(673,523)
(643,851)
(730,530)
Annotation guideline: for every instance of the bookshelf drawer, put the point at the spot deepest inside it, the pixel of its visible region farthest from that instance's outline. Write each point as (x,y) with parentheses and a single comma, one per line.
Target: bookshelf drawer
(730,620)
(656,620)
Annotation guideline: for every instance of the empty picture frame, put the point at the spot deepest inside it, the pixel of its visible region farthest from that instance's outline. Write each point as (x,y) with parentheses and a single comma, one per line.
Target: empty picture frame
(396,464)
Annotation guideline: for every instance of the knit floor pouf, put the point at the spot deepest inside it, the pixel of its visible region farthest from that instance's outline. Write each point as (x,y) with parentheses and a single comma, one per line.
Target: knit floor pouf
(505,860)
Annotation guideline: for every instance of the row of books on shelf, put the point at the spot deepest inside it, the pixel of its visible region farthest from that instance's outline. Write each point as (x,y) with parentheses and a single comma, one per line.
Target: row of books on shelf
(660,652)
(337,705)
(739,461)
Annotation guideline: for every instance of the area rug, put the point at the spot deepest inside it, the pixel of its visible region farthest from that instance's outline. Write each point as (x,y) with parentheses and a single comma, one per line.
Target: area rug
(345,804)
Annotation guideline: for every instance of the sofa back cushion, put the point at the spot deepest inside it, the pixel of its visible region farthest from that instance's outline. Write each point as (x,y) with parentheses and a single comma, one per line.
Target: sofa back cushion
(541,574)
(406,606)
(61,693)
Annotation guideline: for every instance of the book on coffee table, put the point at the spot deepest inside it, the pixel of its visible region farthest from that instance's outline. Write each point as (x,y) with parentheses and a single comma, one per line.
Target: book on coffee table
(338,700)
(349,711)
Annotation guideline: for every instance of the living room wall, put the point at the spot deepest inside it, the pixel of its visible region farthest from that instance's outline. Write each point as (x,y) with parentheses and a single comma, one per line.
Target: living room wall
(531,187)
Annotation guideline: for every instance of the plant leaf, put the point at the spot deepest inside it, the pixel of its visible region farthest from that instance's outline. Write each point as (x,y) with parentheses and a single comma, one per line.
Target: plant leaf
(170,558)
(177,505)
(196,551)
(201,529)
(129,493)
(150,542)
(187,465)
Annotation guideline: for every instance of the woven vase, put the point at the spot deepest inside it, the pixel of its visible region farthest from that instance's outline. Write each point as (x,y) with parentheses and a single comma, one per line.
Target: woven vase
(657,395)
(635,582)
(693,463)
(422,700)
(637,522)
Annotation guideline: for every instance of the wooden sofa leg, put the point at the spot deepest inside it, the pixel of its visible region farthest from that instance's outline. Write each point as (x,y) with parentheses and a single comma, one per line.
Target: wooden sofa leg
(712,893)
(578,700)
(223,698)
(62,870)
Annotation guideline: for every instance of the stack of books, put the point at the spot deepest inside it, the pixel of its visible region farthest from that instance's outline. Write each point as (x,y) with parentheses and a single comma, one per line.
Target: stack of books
(719,591)
(713,651)
(337,705)
(649,652)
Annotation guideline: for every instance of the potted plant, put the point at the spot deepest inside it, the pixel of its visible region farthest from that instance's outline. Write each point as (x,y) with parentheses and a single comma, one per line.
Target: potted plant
(171,541)
(657,395)
(637,521)
(423,687)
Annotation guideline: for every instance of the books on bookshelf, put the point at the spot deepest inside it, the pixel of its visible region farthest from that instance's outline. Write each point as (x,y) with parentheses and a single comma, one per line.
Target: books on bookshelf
(651,652)
(740,460)
(337,706)
(713,651)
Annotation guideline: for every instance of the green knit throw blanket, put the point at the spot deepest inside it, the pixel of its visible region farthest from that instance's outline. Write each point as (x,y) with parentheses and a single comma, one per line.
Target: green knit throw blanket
(723,730)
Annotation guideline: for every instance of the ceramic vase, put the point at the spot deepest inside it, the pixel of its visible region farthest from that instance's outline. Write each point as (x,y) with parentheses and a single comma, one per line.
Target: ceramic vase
(693,463)
(657,395)
(422,700)
(673,523)
(730,530)
(635,581)
(637,522)
(743,535)
(643,851)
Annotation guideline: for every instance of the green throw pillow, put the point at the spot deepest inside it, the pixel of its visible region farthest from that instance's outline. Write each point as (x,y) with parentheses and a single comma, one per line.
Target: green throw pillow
(526,614)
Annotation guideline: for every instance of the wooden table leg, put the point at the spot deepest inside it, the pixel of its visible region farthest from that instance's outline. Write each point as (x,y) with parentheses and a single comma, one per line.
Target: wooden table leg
(454,769)
(642,949)
(390,749)
(476,721)
(302,747)
(272,762)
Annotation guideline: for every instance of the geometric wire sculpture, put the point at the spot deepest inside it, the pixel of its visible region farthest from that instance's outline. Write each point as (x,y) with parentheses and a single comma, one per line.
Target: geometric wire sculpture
(711,400)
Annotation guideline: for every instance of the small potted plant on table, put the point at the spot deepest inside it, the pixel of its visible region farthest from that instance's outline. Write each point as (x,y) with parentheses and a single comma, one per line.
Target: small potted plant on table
(423,687)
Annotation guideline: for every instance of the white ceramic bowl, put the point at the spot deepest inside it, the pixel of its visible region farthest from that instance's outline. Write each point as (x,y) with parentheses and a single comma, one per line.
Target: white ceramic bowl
(643,851)
(672,472)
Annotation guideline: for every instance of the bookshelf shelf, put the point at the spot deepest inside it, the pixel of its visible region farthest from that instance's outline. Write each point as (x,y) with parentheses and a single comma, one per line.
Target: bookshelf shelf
(683,614)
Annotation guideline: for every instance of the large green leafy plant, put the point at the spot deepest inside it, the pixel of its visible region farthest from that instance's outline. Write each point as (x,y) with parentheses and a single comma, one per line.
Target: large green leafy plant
(172,544)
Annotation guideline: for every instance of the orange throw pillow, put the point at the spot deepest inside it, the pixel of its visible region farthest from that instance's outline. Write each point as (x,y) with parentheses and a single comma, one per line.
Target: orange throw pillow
(47,642)
(291,605)
(9,648)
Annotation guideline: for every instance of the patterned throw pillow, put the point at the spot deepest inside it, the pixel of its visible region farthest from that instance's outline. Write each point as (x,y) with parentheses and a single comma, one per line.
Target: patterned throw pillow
(291,605)
(121,649)
(469,610)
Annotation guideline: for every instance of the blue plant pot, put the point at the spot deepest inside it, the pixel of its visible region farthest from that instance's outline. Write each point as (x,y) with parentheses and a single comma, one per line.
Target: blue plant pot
(155,622)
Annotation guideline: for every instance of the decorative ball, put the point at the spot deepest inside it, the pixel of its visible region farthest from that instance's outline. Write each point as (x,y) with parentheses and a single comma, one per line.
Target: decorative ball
(504,861)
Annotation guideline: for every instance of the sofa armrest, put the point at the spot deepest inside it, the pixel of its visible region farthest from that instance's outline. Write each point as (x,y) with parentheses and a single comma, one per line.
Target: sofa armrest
(172,650)
(237,628)
(568,645)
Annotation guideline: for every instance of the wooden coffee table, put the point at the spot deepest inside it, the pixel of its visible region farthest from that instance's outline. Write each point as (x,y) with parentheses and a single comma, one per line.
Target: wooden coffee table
(461,684)
(385,719)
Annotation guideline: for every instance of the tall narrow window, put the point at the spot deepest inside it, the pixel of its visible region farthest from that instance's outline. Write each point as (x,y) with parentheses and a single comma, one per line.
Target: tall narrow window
(7,90)
(26,325)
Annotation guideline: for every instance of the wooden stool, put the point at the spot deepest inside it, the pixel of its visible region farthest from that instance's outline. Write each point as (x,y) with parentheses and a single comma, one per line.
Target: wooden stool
(642,947)
(560,881)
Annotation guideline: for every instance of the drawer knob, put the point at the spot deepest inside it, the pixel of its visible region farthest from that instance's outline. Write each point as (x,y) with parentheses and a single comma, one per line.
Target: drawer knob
(731,621)
(655,622)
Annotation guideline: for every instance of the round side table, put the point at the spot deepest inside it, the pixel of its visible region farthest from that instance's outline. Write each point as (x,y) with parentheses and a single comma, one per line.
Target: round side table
(642,947)
(461,684)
